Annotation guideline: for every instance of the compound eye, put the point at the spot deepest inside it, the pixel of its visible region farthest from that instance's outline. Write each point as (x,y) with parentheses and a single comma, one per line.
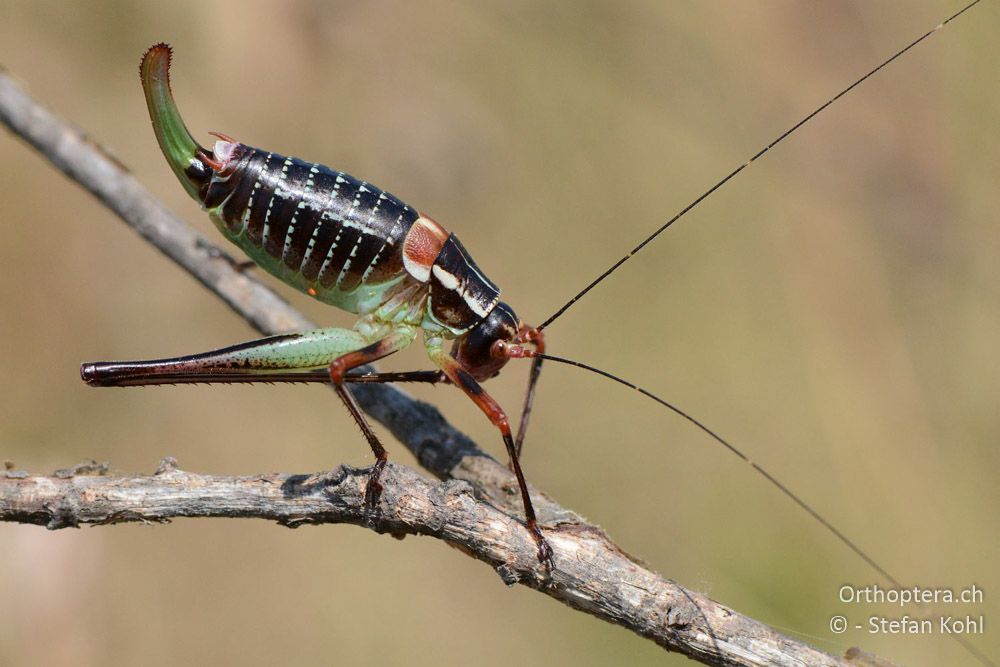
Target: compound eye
(498,350)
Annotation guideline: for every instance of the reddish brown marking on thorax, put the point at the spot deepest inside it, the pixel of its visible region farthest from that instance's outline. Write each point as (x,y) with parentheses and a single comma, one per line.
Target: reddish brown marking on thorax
(422,246)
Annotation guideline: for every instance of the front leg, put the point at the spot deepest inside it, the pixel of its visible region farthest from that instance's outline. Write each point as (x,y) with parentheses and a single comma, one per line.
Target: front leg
(462,379)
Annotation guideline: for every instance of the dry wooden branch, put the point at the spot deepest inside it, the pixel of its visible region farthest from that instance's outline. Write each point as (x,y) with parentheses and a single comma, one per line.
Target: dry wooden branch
(476,515)
(592,574)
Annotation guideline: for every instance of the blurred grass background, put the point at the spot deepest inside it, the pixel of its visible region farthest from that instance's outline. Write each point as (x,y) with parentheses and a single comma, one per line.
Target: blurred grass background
(834,311)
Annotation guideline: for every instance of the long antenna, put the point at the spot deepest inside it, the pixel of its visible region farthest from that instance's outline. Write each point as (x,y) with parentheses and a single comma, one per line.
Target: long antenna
(746,459)
(746,164)
(836,532)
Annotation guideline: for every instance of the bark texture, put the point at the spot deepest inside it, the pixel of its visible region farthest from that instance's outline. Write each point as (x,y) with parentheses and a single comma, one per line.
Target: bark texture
(591,573)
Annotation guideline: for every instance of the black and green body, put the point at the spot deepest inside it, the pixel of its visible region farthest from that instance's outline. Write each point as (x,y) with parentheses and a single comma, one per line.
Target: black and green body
(335,237)
(346,243)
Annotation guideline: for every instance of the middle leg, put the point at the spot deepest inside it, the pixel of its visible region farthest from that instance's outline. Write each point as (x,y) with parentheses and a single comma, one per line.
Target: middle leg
(339,367)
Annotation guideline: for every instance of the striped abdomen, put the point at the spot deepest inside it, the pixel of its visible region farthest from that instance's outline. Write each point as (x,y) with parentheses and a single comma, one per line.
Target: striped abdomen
(331,235)
(339,239)
(336,232)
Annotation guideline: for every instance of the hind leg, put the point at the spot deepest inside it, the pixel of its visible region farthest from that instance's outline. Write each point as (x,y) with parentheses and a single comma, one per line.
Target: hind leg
(278,357)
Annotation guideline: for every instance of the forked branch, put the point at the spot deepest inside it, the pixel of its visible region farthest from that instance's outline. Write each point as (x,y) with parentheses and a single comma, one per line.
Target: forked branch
(473,511)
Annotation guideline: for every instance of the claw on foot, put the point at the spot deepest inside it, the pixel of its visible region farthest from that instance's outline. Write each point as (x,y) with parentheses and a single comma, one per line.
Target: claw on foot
(373,492)
(544,550)
(373,489)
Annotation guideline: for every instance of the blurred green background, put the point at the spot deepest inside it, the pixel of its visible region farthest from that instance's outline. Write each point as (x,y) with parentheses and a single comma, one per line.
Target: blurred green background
(835,311)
